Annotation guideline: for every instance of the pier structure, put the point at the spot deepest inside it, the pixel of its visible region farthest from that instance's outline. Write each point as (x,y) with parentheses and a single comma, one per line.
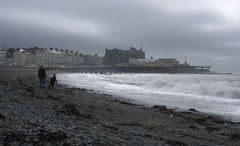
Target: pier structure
(137,69)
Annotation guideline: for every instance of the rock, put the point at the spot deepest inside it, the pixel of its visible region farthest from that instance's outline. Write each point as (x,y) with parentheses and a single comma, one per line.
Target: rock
(71,109)
(211,128)
(111,127)
(192,110)
(52,137)
(2,116)
(235,136)
(201,121)
(125,103)
(109,110)
(177,143)
(105,94)
(53,97)
(193,127)
(13,137)
(160,107)
(29,89)
(130,124)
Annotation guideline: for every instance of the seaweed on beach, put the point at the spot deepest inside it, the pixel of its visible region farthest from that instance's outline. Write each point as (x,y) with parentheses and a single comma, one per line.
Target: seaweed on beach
(2,116)
(29,89)
(42,138)
(71,109)
(53,97)
(134,123)
(175,143)
(235,136)
(14,137)
(125,103)
(52,136)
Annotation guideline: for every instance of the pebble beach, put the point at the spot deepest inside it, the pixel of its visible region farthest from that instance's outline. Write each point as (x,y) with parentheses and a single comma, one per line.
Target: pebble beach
(76,116)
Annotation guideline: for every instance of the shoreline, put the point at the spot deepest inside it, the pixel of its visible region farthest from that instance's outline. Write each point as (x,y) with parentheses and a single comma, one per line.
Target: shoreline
(77,116)
(230,117)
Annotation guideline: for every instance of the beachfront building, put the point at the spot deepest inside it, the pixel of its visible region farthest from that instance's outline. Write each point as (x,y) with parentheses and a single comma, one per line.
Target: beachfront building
(56,57)
(162,62)
(20,57)
(2,57)
(52,57)
(115,56)
(167,62)
(45,56)
(90,60)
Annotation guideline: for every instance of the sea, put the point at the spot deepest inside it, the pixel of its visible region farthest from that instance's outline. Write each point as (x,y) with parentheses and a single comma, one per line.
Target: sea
(217,94)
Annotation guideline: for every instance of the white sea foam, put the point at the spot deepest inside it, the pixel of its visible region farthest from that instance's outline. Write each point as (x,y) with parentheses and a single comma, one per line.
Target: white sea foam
(217,94)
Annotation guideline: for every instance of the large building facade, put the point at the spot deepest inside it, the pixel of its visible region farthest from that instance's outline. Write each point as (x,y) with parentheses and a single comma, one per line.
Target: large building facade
(90,60)
(114,57)
(52,58)
(55,57)
(2,57)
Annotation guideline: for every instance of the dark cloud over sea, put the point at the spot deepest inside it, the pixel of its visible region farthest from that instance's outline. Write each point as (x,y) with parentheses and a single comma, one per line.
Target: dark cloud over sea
(207,32)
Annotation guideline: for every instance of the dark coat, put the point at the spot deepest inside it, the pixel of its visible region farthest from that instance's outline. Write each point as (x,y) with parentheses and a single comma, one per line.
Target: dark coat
(53,80)
(41,73)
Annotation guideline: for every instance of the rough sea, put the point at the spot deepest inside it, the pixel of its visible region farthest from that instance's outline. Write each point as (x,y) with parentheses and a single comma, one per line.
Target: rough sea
(211,93)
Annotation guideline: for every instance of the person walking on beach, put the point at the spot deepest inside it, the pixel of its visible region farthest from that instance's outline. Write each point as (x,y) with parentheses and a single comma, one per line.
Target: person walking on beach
(41,76)
(52,81)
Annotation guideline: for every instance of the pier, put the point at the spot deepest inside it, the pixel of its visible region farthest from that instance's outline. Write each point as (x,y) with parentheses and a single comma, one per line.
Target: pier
(137,69)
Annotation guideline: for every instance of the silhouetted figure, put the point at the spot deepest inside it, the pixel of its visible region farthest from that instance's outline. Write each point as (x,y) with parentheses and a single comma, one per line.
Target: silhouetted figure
(52,81)
(41,76)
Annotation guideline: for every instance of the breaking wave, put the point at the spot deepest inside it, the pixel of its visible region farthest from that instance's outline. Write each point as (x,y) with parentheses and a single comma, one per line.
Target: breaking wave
(212,93)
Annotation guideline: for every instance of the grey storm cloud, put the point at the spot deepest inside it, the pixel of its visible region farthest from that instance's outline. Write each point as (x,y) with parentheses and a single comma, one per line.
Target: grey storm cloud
(207,32)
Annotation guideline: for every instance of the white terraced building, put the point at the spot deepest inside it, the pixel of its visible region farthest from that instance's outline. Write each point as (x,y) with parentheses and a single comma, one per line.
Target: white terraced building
(47,57)
(2,57)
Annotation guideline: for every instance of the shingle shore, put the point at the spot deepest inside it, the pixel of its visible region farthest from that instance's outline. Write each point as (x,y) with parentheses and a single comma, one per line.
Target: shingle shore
(72,116)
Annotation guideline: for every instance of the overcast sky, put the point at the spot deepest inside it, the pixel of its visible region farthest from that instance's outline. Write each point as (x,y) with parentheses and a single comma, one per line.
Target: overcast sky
(207,32)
